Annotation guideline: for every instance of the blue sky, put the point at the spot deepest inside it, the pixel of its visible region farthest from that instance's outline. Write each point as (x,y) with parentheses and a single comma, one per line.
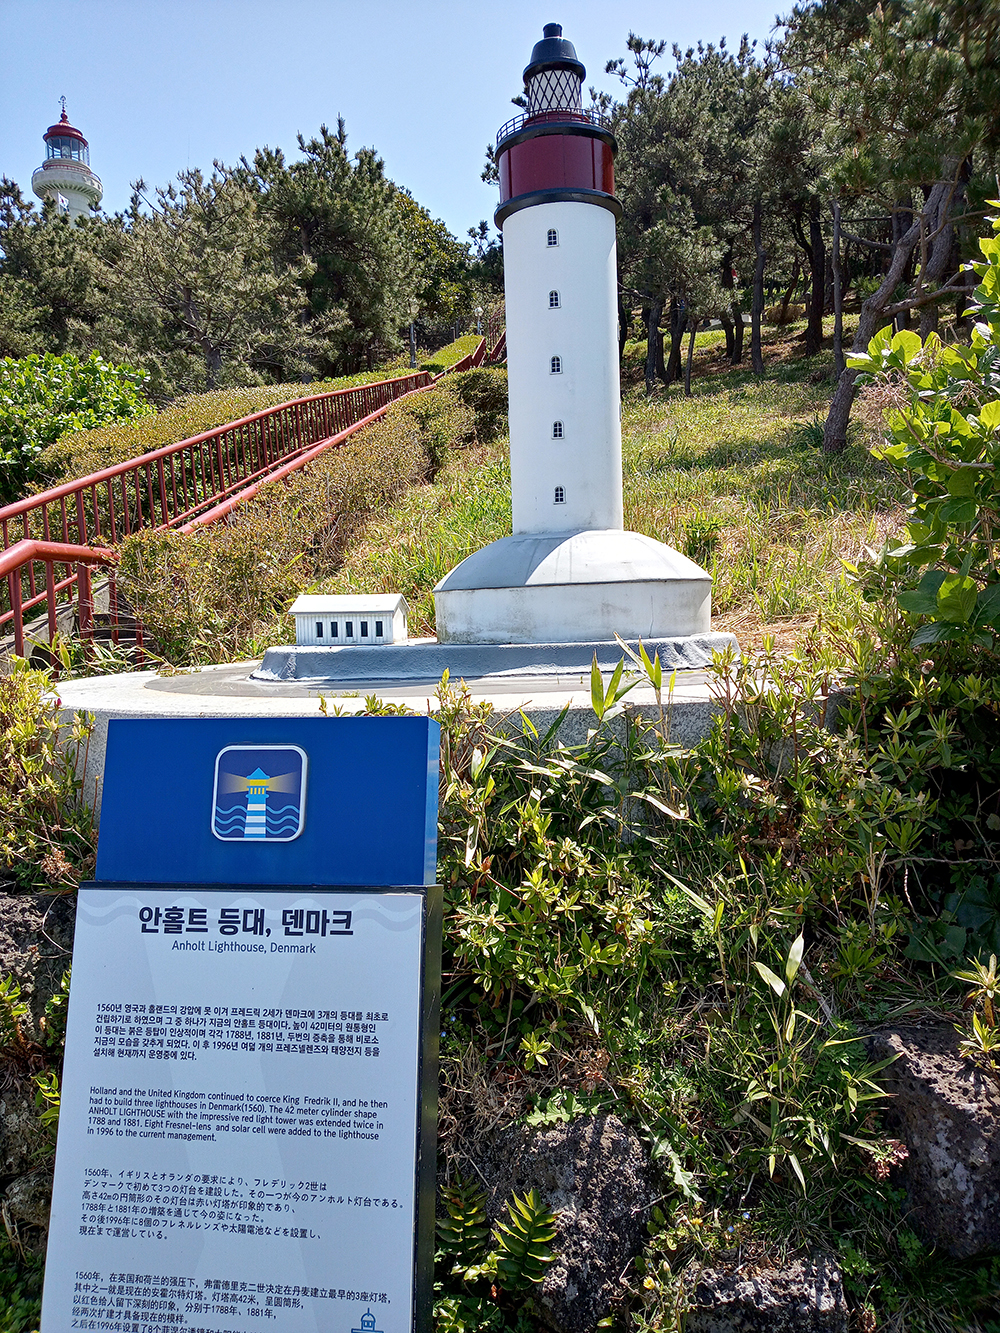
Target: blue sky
(160,85)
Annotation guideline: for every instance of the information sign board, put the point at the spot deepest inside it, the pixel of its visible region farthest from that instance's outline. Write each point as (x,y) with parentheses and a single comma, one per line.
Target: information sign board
(247,1129)
(242,1103)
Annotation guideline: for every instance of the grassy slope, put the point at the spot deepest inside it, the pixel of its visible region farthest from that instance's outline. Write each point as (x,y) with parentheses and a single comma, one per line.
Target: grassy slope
(733,454)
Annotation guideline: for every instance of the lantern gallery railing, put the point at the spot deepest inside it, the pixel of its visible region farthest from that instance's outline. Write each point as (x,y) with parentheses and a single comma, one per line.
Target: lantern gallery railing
(527,121)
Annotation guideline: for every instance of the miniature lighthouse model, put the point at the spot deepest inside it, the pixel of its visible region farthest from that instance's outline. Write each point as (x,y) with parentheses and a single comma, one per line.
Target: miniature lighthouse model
(65,176)
(569,573)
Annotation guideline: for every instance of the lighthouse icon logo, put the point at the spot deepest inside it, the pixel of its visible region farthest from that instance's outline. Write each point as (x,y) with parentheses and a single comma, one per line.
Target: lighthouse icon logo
(259,793)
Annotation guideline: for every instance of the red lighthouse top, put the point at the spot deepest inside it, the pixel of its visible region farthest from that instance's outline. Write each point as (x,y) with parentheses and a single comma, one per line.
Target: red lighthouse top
(556,151)
(66,141)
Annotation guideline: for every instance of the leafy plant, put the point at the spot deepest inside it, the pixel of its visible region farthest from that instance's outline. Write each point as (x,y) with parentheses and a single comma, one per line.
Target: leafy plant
(464,1231)
(944,421)
(44,397)
(981,1040)
(47,834)
(522,1243)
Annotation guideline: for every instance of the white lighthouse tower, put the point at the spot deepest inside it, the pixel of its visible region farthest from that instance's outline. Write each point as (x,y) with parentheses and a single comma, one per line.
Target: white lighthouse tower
(65,176)
(569,573)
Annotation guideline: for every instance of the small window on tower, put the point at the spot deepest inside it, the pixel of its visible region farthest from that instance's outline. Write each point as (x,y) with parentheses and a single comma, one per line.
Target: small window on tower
(560,497)
(555,366)
(554,302)
(553,236)
(557,430)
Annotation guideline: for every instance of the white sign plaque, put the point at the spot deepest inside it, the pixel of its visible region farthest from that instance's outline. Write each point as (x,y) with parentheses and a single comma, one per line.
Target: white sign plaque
(239,1133)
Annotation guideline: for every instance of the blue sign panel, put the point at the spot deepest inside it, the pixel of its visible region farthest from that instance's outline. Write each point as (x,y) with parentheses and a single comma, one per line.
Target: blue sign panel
(336,801)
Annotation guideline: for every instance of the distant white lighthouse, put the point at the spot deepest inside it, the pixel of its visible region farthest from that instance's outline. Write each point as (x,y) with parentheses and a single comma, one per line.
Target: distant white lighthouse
(65,176)
(569,573)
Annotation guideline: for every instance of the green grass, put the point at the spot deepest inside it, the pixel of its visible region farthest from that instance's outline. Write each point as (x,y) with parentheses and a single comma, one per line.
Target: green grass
(727,475)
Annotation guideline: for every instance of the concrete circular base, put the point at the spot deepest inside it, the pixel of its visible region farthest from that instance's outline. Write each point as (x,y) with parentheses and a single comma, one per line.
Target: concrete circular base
(564,587)
(237,691)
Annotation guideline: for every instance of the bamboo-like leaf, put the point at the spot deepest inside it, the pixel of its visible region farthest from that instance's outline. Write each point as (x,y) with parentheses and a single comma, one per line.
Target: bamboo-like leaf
(775,982)
(794,959)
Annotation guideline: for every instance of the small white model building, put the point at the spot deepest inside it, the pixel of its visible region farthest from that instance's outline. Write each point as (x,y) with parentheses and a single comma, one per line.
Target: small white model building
(330,622)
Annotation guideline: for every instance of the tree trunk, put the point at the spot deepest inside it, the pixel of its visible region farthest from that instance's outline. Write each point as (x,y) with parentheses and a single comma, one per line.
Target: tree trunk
(788,292)
(835,430)
(653,340)
(624,320)
(213,365)
(838,297)
(690,357)
(730,332)
(677,325)
(737,356)
(726,283)
(756,356)
(938,261)
(817,279)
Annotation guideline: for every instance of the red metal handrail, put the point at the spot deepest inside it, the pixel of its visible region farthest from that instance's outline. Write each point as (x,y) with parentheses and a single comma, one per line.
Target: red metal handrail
(196,481)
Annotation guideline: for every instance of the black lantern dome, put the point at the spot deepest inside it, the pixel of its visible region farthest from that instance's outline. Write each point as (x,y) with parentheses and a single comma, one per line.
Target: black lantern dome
(553,77)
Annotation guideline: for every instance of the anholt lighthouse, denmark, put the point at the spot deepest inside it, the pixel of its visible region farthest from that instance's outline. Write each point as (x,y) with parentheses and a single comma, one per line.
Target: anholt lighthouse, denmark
(569,573)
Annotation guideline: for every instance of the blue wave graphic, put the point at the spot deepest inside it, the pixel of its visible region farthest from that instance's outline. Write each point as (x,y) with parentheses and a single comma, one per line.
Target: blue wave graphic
(279,823)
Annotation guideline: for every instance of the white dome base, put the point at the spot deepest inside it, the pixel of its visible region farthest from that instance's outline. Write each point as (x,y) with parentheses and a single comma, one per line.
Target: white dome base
(573,587)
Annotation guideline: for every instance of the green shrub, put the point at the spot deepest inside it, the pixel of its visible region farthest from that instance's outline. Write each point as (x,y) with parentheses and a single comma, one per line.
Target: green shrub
(44,397)
(484,390)
(47,834)
(450,355)
(86,451)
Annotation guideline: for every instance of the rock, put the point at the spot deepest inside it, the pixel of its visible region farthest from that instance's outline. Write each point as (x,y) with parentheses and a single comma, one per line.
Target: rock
(22,1137)
(29,1197)
(36,940)
(36,944)
(947,1112)
(593,1174)
(807,1296)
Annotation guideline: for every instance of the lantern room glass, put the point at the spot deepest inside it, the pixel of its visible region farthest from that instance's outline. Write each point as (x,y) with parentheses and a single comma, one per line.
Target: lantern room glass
(63,146)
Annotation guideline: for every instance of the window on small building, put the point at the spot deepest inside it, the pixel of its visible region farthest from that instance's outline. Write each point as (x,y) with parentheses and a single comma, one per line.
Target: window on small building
(364,629)
(554,301)
(319,629)
(555,366)
(553,238)
(560,496)
(557,430)
(348,629)
(333,629)
(379,632)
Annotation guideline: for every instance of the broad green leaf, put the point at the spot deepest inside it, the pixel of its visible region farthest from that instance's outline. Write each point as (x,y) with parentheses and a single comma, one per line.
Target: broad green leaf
(936,632)
(963,481)
(958,510)
(907,344)
(956,598)
(988,605)
(989,415)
